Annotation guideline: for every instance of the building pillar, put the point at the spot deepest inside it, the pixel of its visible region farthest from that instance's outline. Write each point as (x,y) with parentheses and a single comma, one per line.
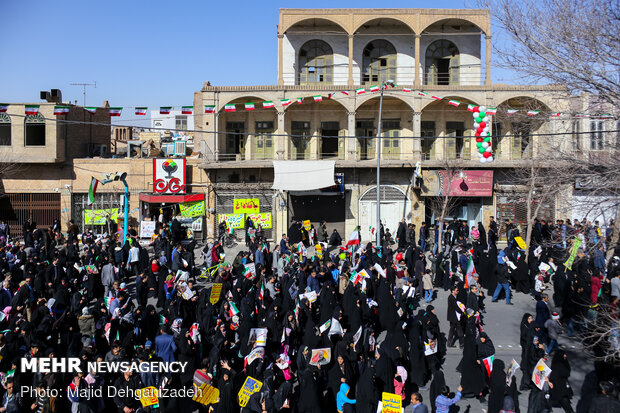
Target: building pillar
(351,83)
(416,80)
(280,138)
(351,141)
(250,152)
(417,132)
(487,78)
(280,63)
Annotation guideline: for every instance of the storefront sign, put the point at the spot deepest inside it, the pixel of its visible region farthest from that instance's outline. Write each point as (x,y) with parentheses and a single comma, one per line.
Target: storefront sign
(465,183)
(192,209)
(246,206)
(147,229)
(264,219)
(169,176)
(233,221)
(100,216)
(250,387)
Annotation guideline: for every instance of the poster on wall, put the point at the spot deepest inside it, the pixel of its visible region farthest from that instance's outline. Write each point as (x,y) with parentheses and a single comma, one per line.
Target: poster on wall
(246,206)
(464,183)
(192,209)
(263,219)
(233,221)
(100,216)
(147,229)
(169,176)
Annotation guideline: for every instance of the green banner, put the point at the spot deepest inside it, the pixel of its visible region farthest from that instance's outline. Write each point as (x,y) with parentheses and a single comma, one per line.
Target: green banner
(100,216)
(192,209)
(573,253)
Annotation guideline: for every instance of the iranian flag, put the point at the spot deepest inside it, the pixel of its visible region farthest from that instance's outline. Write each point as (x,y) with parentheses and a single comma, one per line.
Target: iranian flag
(249,106)
(115,111)
(209,108)
(405,89)
(187,110)
(94,182)
(91,109)
(422,94)
(470,107)
(360,91)
(354,239)
(491,111)
(532,112)
(107,301)
(300,101)
(511,111)
(233,310)
(32,109)
(285,102)
(454,102)
(4,107)
(471,271)
(488,364)
(344,92)
(325,326)
(318,98)
(355,278)
(230,108)
(61,110)
(162,320)
(436,97)
(375,88)
(268,104)
(249,270)
(557,114)
(261,294)
(165,110)
(141,111)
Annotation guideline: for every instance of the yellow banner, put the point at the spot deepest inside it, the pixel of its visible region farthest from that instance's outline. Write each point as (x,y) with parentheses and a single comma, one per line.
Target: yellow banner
(234,221)
(192,209)
(250,387)
(216,291)
(148,396)
(264,219)
(99,216)
(206,394)
(391,403)
(246,206)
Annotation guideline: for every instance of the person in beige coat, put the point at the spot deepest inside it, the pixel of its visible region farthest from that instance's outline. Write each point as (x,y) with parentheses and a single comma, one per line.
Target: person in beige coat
(427,285)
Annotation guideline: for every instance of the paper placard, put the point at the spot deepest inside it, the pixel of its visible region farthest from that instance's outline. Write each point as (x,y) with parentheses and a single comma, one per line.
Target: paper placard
(250,386)
(391,403)
(258,336)
(147,229)
(541,371)
(148,396)
(321,356)
(216,292)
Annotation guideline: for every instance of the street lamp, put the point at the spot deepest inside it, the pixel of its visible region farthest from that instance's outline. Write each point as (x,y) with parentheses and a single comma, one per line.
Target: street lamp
(121,176)
(378,228)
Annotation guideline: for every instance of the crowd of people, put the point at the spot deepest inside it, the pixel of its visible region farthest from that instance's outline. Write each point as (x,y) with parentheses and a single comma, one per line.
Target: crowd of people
(332,330)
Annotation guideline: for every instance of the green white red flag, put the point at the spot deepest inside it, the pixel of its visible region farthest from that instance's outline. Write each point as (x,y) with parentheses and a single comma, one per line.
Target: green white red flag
(61,110)
(187,110)
(491,111)
(32,109)
(209,108)
(454,102)
(375,88)
(422,94)
(249,106)
(405,89)
(285,102)
(512,111)
(318,98)
(533,112)
(488,364)
(436,97)
(116,111)
(300,101)
(165,110)
(344,92)
(141,111)
(94,182)
(470,107)
(233,310)
(4,107)
(360,91)
(91,109)
(268,104)
(230,108)
(107,301)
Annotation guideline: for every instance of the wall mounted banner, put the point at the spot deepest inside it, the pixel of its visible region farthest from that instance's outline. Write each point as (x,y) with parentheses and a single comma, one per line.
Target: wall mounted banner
(465,183)
(100,216)
(246,206)
(192,209)
(263,218)
(233,221)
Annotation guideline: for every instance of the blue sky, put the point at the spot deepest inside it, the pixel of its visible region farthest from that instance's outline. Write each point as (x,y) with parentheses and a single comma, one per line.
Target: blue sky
(151,53)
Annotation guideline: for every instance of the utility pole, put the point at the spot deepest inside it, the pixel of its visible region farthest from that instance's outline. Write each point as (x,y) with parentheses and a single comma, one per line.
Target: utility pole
(94,84)
(378,228)
(90,124)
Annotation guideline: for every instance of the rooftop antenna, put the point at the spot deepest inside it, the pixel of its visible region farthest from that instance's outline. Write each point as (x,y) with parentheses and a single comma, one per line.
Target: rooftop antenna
(94,84)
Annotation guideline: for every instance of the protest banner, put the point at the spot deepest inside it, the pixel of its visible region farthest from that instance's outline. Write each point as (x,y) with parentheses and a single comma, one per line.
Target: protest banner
(148,397)
(263,219)
(307,225)
(573,253)
(541,371)
(250,386)
(233,221)
(147,229)
(258,352)
(246,206)
(391,403)
(100,216)
(520,243)
(512,370)
(216,292)
(311,296)
(321,356)
(258,336)
(192,209)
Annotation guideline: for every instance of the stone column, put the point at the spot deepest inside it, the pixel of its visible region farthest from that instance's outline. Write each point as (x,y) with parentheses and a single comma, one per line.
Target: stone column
(280,63)
(281,139)
(351,83)
(416,81)
(417,132)
(351,154)
(487,79)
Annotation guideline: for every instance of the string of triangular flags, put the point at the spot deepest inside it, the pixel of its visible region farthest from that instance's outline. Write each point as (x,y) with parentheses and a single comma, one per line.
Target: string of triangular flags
(269,104)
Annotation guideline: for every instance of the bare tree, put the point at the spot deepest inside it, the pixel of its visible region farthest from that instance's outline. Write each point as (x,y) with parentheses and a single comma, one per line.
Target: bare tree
(601,335)
(570,42)
(8,168)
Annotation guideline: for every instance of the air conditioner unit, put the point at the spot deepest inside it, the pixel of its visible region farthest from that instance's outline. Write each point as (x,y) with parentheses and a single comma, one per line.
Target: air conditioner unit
(97,150)
(168,149)
(180,148)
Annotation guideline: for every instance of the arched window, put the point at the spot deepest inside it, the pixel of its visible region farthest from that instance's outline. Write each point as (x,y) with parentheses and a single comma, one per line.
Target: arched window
(35,130)
(316,63)
(378,62)
(5,130)
(442,63)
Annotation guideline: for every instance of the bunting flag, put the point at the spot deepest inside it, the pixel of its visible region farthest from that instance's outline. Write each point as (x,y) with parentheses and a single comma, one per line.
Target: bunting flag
(406,90)
(436,97)
(249,106)
(233,310)
(285,102)
(582,115)
(511,111)
(557,114)
(532,112)
(491,111)
(116,111)
(422,94)
(470,107)
(209,108)
(300,101)
(360,91)
(141,111)
(488,364)
(603,116)
(230,108)
(268,104)
(375,88)
(187,110)
(107,301)
(454,102)
(32,109)
(91,109)
(318,98)
(344,92)
(165,110)
(94,182)
(329,95)
(61,110)
(4,107)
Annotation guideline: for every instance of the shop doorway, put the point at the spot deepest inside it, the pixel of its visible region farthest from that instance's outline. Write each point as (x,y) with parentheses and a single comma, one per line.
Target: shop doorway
(329,139)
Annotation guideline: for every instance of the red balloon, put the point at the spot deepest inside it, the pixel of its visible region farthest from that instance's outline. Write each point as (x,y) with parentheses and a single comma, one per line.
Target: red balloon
(487,154)
(479,140)
(483,124)
(477,109)
(477,134)
(480,130)
(399,256)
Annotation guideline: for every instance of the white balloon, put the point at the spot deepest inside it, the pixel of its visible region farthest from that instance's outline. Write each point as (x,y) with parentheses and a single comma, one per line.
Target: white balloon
(490,159)
(486,120)
(489,148)
(476,114)
(485,145)
(476,125)
(483,159)
(479,154)
(483,108)
(485,130)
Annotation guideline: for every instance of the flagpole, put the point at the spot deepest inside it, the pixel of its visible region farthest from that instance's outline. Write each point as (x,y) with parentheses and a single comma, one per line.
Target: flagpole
(378,228)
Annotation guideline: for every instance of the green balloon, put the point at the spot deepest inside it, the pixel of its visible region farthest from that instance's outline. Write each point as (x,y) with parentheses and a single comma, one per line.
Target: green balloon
(487,139)
(479,119)
(488,133)
(479,145)
(481,150)
(482,115)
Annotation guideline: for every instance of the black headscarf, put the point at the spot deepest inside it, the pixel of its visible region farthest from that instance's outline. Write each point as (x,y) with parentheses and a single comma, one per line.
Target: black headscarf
(497,386)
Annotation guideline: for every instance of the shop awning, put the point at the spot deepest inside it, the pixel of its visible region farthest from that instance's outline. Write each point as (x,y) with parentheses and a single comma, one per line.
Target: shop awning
(171,199)
(303,175)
